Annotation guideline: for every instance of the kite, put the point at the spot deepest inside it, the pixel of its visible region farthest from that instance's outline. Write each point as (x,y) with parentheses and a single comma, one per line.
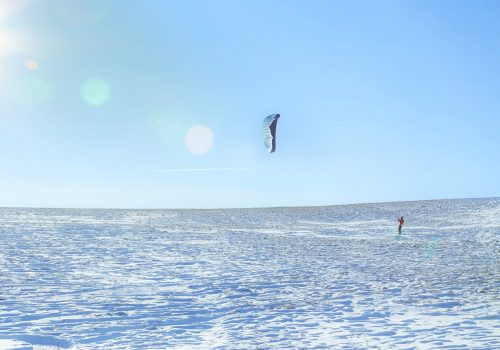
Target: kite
(269,132)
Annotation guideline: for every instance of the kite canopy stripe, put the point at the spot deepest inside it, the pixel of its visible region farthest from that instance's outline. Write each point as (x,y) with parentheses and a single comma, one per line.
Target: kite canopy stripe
(269,132)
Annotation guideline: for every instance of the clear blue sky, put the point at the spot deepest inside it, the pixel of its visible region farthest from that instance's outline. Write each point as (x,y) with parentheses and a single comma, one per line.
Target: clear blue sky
(379,101)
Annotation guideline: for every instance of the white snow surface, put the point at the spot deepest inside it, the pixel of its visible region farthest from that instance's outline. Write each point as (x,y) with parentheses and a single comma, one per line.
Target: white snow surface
(336,277)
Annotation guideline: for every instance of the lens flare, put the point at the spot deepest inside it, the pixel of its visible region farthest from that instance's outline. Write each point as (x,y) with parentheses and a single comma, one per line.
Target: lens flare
(31,64)
(199,139)
(96,92)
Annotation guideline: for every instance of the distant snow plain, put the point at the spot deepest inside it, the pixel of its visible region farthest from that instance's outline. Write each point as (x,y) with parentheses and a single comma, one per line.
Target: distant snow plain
(337,277)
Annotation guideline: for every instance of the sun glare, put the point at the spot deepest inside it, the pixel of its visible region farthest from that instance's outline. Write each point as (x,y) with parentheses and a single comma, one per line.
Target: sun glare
(199,139)
(5,42)
(14,42)
(10,7)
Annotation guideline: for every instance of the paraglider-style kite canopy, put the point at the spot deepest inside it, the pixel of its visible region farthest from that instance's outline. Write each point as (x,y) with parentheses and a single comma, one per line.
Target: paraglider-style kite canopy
(269,132)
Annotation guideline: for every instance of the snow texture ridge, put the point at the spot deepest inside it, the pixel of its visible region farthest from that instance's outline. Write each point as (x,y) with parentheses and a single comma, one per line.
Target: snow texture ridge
(318,278)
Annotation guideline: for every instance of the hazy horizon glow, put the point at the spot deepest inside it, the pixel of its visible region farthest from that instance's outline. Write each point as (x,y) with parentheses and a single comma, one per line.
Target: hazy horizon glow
(159,104)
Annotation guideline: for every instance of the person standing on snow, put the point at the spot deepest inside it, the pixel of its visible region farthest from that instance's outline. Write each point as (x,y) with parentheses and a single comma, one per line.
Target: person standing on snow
(401,222)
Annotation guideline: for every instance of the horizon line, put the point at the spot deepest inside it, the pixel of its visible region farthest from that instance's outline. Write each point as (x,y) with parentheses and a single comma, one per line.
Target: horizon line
(252,208)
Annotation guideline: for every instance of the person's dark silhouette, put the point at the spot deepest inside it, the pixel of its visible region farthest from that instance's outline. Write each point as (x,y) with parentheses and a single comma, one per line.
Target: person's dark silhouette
(401,222)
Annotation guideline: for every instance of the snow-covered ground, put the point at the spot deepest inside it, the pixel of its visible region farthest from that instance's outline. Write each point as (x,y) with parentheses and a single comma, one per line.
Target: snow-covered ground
(325,277)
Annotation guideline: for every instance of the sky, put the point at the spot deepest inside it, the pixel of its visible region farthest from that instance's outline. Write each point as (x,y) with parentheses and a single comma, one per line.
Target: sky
(159,104)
